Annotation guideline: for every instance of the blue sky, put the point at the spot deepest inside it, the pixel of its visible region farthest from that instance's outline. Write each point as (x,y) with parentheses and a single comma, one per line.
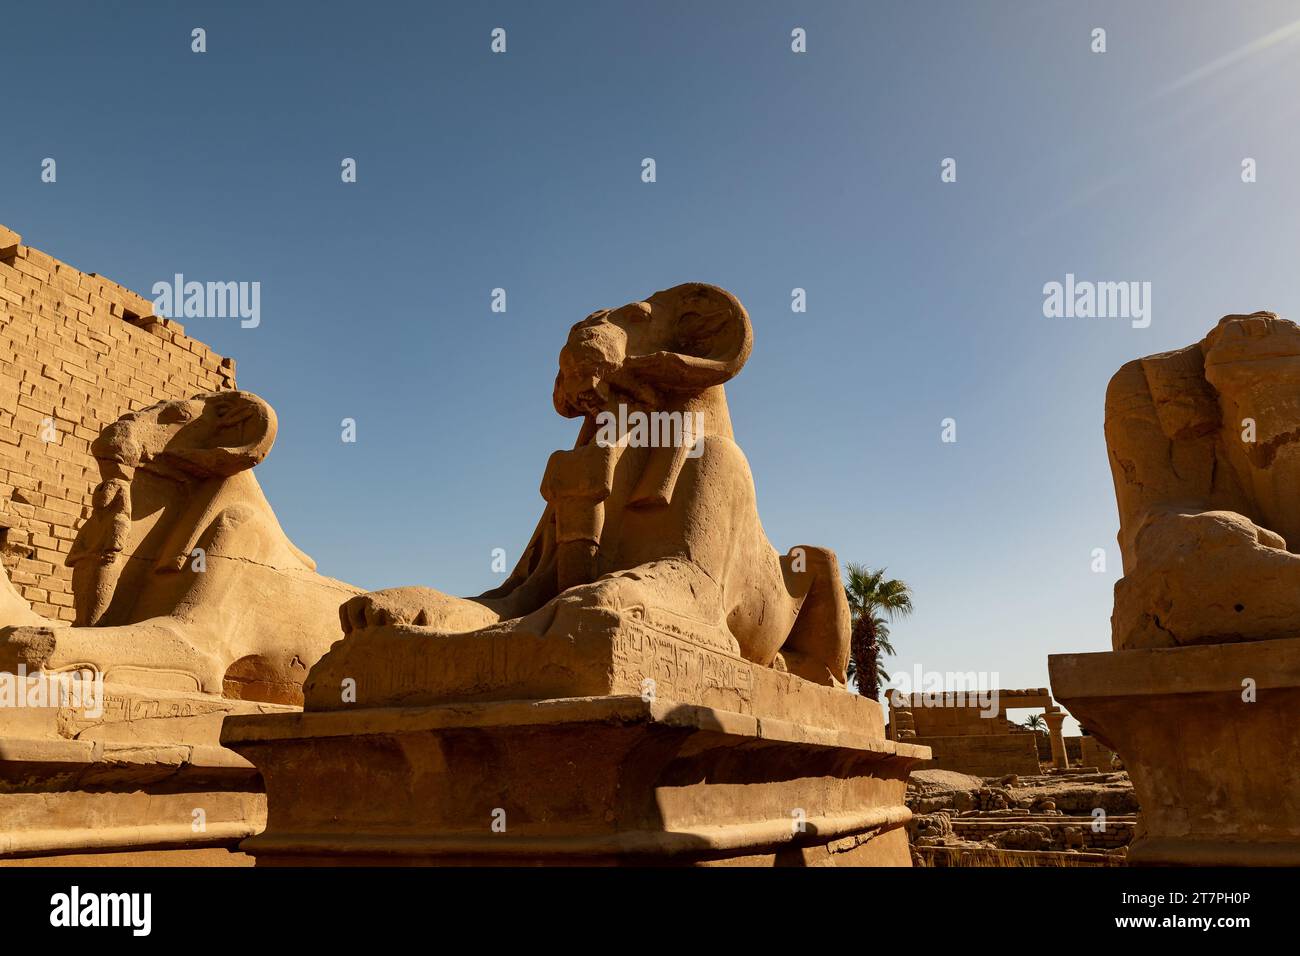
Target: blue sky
(775,170)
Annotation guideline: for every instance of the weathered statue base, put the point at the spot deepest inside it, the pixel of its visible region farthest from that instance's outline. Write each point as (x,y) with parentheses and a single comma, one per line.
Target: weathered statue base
(1215,775)
(725,763)
(123,786)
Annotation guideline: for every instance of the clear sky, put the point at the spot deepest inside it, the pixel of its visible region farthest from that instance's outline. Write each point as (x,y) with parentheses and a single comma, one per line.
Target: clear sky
(775,170)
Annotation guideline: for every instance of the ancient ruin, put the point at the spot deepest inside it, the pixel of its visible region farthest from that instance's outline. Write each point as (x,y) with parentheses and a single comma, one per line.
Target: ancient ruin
(653,683)
(666,532)
(182,577)
(997,793)
(152,591)
(78,352)
(968,732)
(1200,694)
(1202,449)
(1086,818)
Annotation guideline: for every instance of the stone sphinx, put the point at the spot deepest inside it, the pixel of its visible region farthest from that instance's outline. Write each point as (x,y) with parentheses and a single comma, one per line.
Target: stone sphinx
(653,682)
(1201,693)
(14,609)
(668,535)
(183,579)
(1204,452)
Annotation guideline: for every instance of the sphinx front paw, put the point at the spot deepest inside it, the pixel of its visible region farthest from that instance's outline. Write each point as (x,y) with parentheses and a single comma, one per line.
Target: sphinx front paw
(617,593)
(419,607)
(1206,577)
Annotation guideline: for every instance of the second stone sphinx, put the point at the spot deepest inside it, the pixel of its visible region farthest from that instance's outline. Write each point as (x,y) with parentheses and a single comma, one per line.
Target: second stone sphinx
(183,579)
(1204,453)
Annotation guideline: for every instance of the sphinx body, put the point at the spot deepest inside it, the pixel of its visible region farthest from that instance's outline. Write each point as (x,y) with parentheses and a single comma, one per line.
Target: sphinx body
(182,577)
(1204,445)
(14,609)
(667,534)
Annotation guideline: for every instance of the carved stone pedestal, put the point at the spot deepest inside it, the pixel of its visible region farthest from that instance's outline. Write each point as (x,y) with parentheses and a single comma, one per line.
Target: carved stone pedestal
(721,762)
(1215,773)
(144,782)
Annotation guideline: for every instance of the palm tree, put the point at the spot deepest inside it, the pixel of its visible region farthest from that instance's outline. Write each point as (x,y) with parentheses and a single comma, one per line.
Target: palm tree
(873,600)
(1037,723)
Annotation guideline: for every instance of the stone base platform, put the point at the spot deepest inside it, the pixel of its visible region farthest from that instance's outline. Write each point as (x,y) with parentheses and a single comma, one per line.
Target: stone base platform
(574,781)
(142,781)
(1215,773)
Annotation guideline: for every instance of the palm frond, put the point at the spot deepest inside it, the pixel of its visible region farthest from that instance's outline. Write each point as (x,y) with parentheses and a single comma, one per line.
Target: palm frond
(873,601)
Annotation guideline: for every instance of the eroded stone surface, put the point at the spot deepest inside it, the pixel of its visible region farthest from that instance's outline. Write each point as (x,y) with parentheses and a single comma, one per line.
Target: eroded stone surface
(1039,820)
(1208,735)
(653,684)
(1203,449)
(1200,695)
(186,594)
(183,578)
(664,534)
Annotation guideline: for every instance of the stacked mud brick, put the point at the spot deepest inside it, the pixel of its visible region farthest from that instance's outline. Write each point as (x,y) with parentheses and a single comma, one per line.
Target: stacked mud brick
(963,737)
(77,351)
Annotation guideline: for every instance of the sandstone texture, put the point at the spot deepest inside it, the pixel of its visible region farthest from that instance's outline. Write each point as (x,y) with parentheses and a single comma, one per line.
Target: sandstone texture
(1057,819)
(1200,697)
(182,577)
(659,525)
(1208,735)
(968,731)
(77,351)
(146,591)
(1203,449)
(654,683)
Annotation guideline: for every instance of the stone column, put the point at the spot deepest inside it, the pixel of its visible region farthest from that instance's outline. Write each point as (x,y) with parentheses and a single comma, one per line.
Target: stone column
(1055,720)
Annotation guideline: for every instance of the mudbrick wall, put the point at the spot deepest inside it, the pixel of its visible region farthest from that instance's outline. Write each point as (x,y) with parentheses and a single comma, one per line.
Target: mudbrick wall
(984,755)
(77,351)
